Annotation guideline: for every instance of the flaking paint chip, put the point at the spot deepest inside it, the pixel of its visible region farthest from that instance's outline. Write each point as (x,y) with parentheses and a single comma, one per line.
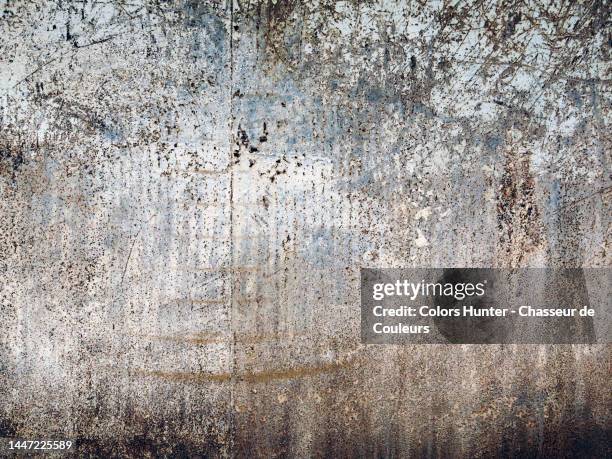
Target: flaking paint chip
(421,240)
(423,213)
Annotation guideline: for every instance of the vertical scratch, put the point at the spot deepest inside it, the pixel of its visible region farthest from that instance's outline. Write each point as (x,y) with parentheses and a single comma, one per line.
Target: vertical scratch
(232,424)
(134,239)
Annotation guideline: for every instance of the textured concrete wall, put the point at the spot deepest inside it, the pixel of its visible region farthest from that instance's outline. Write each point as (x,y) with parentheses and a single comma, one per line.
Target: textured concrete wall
(189,188)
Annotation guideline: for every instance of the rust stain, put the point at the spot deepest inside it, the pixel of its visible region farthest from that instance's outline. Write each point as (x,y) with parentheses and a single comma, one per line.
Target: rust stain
(248,377)
(181,376)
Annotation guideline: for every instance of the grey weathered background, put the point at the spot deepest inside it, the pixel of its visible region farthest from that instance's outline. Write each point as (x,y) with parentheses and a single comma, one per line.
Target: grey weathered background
(188,190)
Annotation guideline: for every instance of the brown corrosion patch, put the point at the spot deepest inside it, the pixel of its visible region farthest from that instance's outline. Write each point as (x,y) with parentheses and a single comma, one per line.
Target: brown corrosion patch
(249,377)
(185,376)
(517,213)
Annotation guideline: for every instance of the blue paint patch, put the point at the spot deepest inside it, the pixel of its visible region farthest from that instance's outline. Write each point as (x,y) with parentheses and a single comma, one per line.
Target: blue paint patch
(493,142)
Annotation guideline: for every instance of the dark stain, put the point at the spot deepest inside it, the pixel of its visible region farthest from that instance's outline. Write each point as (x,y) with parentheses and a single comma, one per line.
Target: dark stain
(518,216)
(280,28)
(242,137)
(151,443)
(12,152)
(511,24)
(7,429)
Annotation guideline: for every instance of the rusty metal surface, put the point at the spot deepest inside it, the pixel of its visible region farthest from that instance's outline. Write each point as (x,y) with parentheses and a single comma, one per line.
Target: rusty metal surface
(189,188)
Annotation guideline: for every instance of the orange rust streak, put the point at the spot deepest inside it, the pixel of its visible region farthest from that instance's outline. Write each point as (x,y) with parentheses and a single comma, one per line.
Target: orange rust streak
(181,376)
(249,377)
